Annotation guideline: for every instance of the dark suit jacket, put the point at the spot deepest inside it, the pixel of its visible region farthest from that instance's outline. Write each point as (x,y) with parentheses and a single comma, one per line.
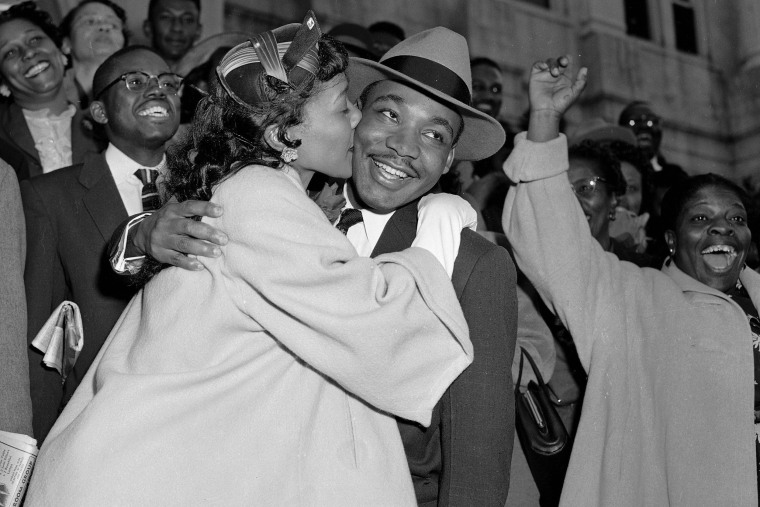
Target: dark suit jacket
(463,457)
(70,215)
(17,145)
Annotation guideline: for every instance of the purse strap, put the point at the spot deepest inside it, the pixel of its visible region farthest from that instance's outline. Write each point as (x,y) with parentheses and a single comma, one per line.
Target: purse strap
(523,354)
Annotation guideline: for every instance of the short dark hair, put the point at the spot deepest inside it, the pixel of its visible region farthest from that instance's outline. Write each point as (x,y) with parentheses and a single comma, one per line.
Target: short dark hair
(484,60)
(30,12)
(365,93)
(65,26)
(153,3)
(610,166)
(388,27)
(102,76)
(678,196)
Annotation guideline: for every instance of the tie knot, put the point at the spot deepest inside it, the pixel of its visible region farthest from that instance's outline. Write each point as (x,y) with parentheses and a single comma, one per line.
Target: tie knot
(147,175)
(348,218)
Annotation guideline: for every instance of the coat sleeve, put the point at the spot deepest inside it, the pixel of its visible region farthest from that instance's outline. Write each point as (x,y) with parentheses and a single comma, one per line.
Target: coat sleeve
(553,246)
(15,402)
(480,409)
(45,283)
(389,330)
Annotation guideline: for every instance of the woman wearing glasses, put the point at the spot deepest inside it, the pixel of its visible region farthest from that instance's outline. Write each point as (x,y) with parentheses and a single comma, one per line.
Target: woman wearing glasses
(40,131)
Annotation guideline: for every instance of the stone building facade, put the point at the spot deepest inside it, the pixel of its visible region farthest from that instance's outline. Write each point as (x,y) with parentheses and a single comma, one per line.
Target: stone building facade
(696,61)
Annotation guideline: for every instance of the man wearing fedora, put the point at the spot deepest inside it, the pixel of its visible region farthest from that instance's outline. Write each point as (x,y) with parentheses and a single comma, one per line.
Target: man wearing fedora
(416,119)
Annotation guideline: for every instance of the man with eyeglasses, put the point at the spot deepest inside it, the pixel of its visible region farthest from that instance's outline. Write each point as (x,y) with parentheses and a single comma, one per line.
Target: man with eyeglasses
(647,126)
(71,213)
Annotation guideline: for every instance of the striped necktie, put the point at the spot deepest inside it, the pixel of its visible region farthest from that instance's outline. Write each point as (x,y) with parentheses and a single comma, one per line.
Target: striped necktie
(150,198)
(348,218)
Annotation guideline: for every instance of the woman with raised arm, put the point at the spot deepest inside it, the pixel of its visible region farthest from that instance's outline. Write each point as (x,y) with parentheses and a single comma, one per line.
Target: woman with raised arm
(667,417)
(270,377)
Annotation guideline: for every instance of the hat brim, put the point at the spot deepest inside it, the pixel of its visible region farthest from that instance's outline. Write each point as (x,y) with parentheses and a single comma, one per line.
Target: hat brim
(482,135)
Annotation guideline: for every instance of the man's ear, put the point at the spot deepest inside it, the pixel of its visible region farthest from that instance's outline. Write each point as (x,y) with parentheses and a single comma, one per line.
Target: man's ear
(66,46)
(198,32)
(148,30)
(272,138)
(449,160)
(98,112)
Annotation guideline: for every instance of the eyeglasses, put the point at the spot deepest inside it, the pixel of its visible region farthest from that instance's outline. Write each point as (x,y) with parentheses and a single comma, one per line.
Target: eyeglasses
(644,121)
(587,188)
(139,81)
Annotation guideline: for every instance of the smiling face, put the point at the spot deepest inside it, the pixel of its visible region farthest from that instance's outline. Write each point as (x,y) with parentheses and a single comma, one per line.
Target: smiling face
(327,132)
(31,65)
(598,204)
(173,27)
(712,237)
(487,85)
(402,146)
(142,121)
(96,33)
(646,126)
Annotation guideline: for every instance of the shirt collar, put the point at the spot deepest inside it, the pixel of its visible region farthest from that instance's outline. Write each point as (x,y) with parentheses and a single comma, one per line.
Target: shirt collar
(374,223)
(122,167)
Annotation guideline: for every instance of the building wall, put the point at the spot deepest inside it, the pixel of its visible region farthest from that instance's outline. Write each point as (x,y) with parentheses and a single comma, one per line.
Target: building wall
(710,102)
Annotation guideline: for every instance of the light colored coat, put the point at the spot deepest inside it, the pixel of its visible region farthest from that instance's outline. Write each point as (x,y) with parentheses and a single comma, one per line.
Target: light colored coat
(668,413)
(230,386)
(15,403)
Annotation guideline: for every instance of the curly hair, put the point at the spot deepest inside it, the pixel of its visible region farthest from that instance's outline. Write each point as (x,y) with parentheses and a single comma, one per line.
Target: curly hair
(68,20)
(678,196)
(30,12)
(225,136)
(610,166)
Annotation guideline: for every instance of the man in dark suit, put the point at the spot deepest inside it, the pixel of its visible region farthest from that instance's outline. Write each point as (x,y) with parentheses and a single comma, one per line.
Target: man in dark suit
(72,212)
(413,124)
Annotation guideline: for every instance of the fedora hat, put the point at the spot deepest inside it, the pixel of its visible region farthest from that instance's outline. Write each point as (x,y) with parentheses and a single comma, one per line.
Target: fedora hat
(436,62)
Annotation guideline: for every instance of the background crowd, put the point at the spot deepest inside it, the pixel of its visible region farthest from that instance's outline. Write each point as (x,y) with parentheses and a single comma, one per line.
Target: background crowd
(85,145)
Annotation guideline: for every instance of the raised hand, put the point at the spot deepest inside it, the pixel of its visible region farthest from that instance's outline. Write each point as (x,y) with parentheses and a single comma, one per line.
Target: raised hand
(552,90)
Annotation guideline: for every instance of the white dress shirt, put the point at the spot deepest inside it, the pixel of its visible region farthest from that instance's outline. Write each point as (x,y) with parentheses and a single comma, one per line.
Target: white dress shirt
(123,171)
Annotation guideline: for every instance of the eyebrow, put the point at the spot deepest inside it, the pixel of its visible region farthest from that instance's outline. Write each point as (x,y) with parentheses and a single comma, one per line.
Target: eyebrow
(33,29)
(401,101)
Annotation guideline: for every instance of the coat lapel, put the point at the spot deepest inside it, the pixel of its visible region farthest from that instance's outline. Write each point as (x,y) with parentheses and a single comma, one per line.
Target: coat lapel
(102,198)
(399,232)
(22,137)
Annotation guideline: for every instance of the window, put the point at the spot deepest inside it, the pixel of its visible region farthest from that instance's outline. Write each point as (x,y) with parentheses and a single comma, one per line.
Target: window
(637,18)
(684,26)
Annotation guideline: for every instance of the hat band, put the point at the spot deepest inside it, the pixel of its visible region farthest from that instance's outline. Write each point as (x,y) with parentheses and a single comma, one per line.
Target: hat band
(432,74)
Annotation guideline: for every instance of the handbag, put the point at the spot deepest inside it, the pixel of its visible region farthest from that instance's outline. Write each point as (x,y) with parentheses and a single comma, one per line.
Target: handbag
(543,437)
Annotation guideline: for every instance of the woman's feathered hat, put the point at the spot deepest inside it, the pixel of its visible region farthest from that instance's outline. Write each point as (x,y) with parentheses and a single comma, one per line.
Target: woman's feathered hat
(288,53)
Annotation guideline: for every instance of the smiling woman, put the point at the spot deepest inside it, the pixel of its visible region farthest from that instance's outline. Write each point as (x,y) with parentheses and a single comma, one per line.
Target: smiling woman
(671,354)
(41,129)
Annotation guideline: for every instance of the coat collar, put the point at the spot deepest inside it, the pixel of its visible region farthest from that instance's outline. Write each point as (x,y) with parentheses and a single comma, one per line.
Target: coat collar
(400,230)
(102,199)
(749,278)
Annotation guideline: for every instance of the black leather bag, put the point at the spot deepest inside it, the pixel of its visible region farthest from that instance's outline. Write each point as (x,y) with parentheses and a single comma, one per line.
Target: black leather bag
(543,437)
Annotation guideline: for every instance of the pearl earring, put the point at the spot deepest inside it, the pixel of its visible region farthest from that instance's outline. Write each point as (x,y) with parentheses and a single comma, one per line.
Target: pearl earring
(4,90)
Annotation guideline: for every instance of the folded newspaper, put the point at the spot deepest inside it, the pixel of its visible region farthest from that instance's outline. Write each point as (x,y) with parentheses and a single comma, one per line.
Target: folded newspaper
(17,455)
(61,338)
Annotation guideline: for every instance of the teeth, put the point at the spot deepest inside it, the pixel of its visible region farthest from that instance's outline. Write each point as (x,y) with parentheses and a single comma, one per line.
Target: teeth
(154,111)
(37,69)
(390,170)
(725,249)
